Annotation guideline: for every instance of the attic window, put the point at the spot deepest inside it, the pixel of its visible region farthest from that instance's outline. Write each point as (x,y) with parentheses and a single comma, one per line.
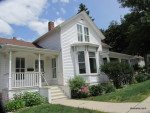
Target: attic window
(83,33)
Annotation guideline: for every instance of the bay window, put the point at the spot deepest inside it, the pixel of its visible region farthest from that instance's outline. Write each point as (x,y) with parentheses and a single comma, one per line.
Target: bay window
(92,62)
(81,62)
(88,60)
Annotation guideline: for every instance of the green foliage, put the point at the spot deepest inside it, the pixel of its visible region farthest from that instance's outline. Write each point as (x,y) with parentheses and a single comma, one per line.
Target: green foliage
(140,78)
(53,108)
(14,105)
(96,90)
(75,84)
(30,98)
(119,73)
(24,99)
(82,7)
(83,92)
(133,93)
(109,88)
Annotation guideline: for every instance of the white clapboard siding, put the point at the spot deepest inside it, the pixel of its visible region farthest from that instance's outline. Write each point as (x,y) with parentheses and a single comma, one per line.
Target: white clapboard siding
(52,41)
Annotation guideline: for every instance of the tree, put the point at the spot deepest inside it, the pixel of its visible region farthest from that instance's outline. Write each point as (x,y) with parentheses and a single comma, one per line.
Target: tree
(119,73)
(82,7)
(139,40)
(116,37)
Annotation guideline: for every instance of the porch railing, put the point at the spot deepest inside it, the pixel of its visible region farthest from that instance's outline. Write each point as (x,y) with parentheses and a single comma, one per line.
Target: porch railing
(25,79)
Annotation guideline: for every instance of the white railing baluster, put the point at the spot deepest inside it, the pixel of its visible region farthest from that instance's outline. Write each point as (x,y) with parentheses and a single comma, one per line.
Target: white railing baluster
(26,79)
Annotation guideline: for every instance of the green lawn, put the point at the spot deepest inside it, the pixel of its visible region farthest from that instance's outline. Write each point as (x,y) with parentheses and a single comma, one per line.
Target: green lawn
(134,93)
(52,108)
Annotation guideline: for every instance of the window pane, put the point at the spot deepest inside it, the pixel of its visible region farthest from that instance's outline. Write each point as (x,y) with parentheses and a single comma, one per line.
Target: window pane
(81,56)
(82,68)
(86,31)
(22,70)
(86,38)
(22,63)
(79,28)
(17,70)
(93,67)
(91,54)
(17,62)
(80,38)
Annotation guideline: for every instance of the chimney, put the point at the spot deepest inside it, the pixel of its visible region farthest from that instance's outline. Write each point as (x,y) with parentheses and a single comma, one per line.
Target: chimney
(14,38)
(50,25)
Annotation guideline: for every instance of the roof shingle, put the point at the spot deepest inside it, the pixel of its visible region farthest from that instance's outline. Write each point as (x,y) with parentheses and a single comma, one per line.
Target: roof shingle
(14,41)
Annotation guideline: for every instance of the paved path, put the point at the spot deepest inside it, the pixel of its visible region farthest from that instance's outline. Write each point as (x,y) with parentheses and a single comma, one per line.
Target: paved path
(143,107)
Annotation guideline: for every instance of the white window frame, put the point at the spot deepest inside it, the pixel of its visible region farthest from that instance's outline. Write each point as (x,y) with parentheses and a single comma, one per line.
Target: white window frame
(95,61)
(83,33)
(37,69)
(54,68)
(20,68)
(81,62)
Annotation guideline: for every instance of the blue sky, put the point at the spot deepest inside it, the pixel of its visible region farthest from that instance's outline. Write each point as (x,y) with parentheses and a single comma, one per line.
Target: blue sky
(27,19)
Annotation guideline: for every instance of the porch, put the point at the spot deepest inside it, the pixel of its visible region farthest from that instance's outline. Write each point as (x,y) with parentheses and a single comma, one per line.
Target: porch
(30,67)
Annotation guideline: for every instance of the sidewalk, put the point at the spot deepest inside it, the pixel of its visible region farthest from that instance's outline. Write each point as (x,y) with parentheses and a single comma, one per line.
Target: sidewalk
(143,107)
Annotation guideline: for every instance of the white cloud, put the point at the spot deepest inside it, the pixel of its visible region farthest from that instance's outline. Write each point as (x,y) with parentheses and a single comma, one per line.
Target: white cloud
(65,1)
(40,27)
(58,21)
(63,10)
(21,12)
(5,28)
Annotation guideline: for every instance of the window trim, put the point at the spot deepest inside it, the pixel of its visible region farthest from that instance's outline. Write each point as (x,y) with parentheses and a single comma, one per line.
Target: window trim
(95,61)
(20,68)
(83,33)
(81,62)
(54,68)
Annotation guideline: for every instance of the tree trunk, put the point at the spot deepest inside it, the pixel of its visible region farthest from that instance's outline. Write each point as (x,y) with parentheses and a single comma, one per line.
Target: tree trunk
(146,63)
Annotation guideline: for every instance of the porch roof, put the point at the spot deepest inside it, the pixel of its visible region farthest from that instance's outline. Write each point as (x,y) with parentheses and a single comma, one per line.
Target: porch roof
(116,55)
(10,47)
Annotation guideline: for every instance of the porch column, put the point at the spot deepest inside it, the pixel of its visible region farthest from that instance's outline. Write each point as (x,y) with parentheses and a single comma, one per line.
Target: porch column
(129,62)
(108,59)
(10,68)
(40,80)
(119,59)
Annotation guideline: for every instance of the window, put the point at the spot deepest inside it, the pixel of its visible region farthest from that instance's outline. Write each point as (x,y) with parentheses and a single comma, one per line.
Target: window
(80,36)
(37,65)
(86,34)
(81,61)
(83,31)
(54,75)
(20,68)
(92,62)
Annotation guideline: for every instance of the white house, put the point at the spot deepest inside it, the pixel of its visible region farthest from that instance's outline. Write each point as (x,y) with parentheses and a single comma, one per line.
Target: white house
(73,48)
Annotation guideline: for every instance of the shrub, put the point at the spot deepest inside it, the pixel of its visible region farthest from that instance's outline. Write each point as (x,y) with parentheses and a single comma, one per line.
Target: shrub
(14,105)
(109,88)
(119,73)
(140,77)
(75,85)
(83,92)
(30,98)
(96,90)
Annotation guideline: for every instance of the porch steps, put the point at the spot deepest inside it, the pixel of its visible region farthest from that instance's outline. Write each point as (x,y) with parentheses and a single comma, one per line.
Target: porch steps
(57,94)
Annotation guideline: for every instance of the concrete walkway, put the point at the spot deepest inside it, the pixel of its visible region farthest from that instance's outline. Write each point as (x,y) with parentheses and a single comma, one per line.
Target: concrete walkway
(143,107)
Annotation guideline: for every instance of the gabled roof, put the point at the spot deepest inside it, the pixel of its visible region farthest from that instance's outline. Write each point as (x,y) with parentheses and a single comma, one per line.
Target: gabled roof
(106,45)
(86,17)
(14,41)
